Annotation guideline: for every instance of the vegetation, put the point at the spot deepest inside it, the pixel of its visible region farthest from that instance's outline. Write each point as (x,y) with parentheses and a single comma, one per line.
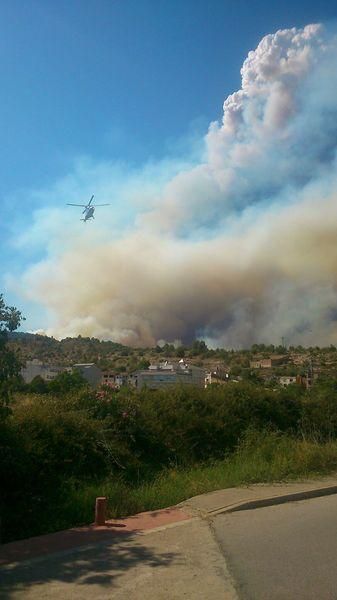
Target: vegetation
(116,358)
(150,449)
(62,444)
(10,365)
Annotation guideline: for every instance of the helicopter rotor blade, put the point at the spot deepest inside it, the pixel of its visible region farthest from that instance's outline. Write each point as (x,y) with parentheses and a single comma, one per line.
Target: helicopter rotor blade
(70,204)
(91,199)
(101,205)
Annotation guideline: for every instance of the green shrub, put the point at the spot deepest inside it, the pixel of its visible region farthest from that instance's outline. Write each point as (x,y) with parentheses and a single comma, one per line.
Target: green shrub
(144,449)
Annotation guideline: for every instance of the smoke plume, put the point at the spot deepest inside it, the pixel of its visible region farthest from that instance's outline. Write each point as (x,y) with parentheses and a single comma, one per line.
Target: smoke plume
(237,249)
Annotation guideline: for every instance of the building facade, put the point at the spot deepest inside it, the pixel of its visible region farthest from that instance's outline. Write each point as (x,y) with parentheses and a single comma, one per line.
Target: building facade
(268,363)
(35,368)
(167,375)
(90,372)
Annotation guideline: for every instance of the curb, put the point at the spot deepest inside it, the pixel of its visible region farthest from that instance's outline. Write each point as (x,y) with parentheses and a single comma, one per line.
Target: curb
(273,500)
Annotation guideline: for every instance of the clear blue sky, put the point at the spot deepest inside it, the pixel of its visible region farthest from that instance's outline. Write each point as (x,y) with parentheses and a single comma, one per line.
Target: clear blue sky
(116,80)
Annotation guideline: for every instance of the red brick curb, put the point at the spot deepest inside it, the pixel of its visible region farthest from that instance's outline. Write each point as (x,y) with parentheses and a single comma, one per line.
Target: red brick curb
(84,536)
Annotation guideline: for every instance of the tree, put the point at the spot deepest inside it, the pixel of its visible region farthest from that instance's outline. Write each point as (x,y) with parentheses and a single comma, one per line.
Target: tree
(10,319)
(66,382)
(143,364)
(198,347)
(236,370)
(38,385)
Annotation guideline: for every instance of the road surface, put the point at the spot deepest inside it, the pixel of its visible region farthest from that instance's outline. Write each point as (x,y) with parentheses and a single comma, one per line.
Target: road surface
(284,552)
(194,551)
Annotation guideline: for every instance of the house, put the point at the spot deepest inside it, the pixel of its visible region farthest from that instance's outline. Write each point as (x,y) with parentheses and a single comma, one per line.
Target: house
(304,380)
(90,372)
(255,364)
(35,367)
(117,380)
(219,376)
(268,363)
(121,379)
(286,380)
(307,380)
(166,374)
(108,378)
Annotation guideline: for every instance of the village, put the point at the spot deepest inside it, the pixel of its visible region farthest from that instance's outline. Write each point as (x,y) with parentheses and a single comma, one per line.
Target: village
(279,370)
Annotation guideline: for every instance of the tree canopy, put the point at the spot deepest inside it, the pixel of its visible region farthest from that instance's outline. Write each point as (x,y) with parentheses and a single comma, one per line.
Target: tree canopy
(10,319)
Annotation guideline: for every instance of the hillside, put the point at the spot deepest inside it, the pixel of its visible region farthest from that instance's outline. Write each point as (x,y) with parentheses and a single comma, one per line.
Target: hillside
(113,356)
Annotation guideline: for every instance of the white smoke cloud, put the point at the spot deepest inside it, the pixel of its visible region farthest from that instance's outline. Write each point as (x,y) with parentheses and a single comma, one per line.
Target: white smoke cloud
(237,249)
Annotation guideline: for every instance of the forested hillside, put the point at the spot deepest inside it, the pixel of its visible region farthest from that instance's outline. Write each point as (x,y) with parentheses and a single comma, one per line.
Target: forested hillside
(116,357)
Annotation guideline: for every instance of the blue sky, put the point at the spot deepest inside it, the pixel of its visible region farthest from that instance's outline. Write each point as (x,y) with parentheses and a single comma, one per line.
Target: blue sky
(121,78)
(124,83)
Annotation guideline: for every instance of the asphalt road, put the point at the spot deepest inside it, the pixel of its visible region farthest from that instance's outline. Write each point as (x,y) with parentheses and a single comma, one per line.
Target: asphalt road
(284,552)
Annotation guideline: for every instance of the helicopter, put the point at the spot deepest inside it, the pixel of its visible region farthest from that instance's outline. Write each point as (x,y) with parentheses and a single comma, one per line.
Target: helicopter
(89,209)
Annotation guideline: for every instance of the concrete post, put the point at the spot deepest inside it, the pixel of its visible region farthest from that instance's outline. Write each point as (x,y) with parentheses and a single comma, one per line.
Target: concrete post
(100,510)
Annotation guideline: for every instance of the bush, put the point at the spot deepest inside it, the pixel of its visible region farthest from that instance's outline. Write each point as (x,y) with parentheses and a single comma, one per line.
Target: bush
(53,446)
(319,413)
(40,448)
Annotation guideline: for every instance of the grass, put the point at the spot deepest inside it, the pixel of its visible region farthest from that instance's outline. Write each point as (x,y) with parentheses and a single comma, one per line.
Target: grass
(260,458)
